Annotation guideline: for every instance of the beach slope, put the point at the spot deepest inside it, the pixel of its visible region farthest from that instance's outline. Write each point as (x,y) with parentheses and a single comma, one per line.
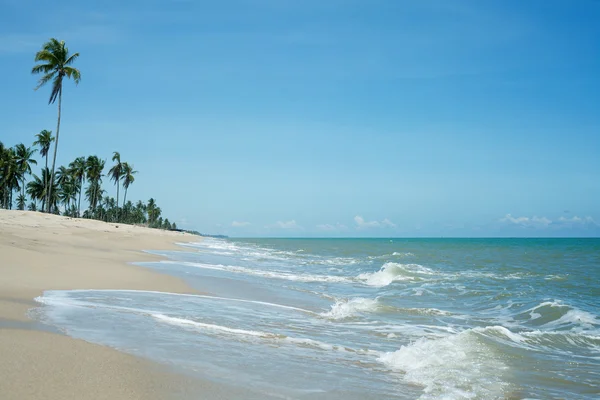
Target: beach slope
(42,252)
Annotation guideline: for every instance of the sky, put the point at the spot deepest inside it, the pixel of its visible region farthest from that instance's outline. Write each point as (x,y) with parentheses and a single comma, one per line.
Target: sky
(318,118)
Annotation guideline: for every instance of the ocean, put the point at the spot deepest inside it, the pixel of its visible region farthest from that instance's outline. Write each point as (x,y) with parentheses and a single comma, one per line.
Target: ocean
(363,318)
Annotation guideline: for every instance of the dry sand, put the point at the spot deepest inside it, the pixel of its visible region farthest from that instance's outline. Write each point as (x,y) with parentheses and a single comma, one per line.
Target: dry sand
(41,252)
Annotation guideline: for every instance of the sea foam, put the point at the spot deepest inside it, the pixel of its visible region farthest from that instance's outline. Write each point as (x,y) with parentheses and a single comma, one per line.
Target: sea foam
(393,272)
(458,366)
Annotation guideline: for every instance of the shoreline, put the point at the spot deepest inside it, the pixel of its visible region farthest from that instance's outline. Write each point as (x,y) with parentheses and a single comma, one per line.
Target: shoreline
(40,252)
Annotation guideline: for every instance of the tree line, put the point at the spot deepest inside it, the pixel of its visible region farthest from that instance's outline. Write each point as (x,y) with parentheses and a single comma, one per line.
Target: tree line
(59,190)
(20,188)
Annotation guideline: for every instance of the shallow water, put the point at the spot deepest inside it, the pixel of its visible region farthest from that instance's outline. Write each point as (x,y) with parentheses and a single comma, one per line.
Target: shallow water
(365,318)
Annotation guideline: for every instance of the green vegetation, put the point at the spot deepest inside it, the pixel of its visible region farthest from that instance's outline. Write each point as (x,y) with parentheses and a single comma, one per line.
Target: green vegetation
(59,190)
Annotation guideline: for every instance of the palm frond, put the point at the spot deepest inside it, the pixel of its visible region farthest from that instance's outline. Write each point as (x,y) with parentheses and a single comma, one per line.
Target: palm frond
(45,80)
(73,73)
(56,89)
(42,68)
(71,59)
(46,55)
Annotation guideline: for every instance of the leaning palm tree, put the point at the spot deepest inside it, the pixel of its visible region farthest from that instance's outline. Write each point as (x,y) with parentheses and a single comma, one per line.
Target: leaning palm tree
(128,179)
(115,174)
(24,162)
(55,65)
(44,139)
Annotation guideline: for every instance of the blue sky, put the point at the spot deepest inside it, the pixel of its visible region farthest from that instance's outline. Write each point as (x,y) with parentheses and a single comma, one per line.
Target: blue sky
(328,118)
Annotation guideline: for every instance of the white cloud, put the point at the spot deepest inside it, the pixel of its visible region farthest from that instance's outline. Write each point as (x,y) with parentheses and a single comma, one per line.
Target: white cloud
(240,224)
(332,227)
(577,221)
(534,221)
(387,223)
(544,222)
(286,224)
(362,224)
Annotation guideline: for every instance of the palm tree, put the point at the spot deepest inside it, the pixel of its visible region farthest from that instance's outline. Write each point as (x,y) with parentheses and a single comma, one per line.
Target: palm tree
(128,178)
(62,175)
(24,162)
(93,171)
(21,200)
(55,65)
(9,175)
(115,174)
(44,139)
(67,192)
(78,170)
(150,208)
(37,189)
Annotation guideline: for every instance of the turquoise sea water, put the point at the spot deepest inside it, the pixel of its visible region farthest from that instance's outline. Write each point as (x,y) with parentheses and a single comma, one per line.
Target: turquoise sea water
(364,318)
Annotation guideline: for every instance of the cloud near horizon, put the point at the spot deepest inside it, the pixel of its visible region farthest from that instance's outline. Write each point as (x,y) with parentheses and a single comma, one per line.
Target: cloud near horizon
(240,224)
(332,227)
(285,225)
(362,224)
(545,222)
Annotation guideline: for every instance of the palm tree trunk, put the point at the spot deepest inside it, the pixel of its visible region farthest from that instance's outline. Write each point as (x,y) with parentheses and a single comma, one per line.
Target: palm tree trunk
(124,197)
(55,149)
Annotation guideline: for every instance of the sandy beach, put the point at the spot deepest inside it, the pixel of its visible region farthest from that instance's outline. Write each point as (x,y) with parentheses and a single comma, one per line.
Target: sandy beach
(40,252)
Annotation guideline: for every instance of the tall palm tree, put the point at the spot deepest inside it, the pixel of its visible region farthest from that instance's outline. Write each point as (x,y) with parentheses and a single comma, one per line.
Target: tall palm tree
(44,139)
(115,174)
(55,64)
(128,178)
(78,168)
(93,170)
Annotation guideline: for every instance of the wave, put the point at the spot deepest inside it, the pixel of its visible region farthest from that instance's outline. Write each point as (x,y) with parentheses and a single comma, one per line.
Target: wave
(343,309)
(458,366)
(349,308)
(267,274)
(61,298)
(393,272)
(394,254)
(556,315)
(390,272)
(248,334)
(253,252)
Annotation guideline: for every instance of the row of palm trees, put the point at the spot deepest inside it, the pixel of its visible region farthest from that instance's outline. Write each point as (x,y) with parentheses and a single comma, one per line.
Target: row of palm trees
(63,187)
(62,193)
